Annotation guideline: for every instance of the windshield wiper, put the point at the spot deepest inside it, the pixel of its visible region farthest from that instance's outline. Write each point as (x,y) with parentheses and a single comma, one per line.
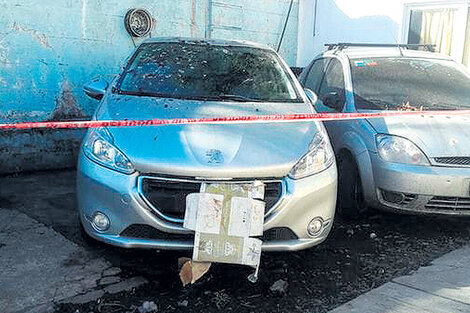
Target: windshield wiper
(375,104)
(143,93)
(188,97)
(445,107)
(235,98)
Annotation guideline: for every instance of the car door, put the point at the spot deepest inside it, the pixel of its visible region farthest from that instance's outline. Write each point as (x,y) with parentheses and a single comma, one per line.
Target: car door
(326,79)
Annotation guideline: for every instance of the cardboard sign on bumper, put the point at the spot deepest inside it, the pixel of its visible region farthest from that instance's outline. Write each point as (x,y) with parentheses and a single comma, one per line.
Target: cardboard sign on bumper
(224,218)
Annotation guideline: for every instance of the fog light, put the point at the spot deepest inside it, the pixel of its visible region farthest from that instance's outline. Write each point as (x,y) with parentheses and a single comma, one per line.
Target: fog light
(100,221)
(315,226)
(393,197)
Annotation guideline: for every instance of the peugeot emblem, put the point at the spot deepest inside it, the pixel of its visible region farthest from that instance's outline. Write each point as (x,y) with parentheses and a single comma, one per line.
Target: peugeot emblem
(214,156)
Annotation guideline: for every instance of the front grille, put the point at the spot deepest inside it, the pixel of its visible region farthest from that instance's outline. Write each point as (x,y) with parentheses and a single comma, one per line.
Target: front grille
(168,197)
(453,160)
(448,203)
(142,231)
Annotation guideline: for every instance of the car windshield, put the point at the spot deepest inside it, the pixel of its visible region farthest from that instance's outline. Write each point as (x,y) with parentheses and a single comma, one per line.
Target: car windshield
(409,84)
(207,72)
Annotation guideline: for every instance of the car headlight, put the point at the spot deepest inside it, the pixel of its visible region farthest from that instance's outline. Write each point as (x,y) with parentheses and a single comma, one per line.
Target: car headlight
(99,148)
(400,150)
(319,157)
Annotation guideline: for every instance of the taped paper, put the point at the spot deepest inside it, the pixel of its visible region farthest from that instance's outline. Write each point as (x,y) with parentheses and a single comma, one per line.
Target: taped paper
(227,249)
(246,217)
(203,212)
(256,190)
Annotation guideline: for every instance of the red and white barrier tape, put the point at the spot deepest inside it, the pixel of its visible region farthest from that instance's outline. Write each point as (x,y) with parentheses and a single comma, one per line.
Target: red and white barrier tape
(228,120)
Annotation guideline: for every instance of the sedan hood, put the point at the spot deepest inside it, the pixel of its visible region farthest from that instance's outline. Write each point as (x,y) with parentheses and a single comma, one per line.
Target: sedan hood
(436,135)
(210,151)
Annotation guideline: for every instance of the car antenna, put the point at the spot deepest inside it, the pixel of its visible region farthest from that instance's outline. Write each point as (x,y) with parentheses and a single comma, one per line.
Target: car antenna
(398,45)
(399,49)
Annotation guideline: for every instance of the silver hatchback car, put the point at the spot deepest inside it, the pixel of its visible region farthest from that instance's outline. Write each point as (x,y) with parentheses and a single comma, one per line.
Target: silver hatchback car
(132,182)
(416,164)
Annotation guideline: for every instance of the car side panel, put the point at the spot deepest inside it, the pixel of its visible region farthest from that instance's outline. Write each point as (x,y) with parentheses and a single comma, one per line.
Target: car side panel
(358,138)
(354,136)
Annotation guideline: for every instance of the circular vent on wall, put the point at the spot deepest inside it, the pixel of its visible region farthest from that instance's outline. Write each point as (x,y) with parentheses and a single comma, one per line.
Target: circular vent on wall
(138,22)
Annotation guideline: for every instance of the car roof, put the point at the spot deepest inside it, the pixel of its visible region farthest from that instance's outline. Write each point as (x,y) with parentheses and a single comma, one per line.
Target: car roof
(221,42)
(376,52)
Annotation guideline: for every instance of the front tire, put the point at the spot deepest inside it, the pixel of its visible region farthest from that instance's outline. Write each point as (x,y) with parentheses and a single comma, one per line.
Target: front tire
(351,202)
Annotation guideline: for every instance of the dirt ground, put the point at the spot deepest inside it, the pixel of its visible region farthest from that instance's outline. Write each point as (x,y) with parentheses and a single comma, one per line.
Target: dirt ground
(357,256)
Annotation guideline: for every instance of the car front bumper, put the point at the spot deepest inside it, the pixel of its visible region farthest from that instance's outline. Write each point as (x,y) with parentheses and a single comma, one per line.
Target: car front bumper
(119,197)
(424,189)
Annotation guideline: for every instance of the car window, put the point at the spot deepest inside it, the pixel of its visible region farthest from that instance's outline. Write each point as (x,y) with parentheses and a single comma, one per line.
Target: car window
(313,79)
(401,83)
(208,72)
(333,83)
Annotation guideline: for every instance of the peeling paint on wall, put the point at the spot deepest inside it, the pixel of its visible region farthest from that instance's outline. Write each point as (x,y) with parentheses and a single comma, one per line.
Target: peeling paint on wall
(39,37)
(194,28)
(3,54)
(14,116)
(83,20)
(67,107)
(32,150)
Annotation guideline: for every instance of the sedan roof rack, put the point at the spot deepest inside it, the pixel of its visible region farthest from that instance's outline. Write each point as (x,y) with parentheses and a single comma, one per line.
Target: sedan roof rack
(344,45)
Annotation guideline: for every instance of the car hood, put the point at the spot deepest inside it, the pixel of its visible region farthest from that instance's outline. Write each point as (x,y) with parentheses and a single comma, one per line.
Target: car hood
(212,151)
(436,135)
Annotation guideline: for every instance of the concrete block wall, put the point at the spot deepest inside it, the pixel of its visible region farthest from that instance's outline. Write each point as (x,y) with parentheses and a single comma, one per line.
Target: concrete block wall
(50,48)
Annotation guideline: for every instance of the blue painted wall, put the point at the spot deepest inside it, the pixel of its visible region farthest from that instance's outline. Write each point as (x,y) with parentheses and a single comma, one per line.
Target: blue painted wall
(50,48)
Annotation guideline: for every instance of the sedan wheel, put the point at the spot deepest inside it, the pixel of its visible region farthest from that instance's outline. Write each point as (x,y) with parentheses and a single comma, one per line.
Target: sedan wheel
(350,194)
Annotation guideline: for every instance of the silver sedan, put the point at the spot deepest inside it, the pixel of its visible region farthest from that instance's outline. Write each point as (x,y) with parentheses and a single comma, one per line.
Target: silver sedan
(133,181)
(414,164)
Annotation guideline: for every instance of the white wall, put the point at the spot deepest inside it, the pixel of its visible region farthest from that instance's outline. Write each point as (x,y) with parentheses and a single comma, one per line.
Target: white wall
(378,21)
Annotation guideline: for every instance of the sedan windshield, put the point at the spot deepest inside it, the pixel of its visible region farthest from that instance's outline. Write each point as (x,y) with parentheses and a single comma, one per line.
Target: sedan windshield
(409,84)
(200,71)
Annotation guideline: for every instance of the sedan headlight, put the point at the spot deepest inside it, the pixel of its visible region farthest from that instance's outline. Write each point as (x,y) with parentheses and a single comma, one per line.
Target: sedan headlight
(99,147)
(319,157)
(400,150)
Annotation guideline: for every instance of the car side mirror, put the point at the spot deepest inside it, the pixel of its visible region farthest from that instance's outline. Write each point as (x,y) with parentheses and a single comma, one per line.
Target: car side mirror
(334,100)
(96,88)
(311,96)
